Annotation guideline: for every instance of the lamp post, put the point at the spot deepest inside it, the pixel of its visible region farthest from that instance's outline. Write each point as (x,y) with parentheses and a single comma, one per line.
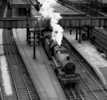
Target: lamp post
(34,45)
(35,38)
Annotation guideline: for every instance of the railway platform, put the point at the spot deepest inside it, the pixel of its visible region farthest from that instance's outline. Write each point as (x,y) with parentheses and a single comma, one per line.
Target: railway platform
(40,72)
(91,55)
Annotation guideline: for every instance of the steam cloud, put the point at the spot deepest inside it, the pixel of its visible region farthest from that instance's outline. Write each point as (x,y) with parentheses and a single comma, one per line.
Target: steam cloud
(47,11)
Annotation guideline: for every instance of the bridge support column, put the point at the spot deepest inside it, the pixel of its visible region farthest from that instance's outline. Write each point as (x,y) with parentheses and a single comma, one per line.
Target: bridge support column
(28,37)
(88,33)
(76,34)
(79,31)
(34,46)
(35,43)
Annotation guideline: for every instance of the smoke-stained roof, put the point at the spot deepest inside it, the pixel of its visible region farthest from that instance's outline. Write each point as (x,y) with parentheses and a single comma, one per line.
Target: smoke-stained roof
(64,10)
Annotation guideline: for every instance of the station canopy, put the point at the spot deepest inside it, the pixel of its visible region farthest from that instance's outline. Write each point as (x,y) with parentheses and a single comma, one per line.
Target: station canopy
(70,17)
(66,11)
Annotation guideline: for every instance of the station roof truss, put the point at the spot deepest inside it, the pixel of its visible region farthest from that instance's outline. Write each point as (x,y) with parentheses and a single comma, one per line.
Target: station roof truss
(67,22)
(22,3)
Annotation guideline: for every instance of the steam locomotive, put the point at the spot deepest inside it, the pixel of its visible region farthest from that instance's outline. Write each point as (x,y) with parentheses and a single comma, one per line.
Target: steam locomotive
(64,68)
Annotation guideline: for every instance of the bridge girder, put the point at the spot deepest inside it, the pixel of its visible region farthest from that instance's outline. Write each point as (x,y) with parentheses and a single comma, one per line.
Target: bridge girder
(72,21)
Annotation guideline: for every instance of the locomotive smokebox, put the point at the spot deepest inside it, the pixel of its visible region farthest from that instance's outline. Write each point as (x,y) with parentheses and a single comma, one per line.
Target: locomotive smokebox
(69,68)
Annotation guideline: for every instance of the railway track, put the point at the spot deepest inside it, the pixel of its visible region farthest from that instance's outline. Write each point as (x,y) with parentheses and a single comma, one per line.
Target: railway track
(22,85)
(72,94)
(90,86)
(2,9)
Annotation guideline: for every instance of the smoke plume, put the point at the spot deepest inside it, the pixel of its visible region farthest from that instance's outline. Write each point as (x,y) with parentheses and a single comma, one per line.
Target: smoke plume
(47,10)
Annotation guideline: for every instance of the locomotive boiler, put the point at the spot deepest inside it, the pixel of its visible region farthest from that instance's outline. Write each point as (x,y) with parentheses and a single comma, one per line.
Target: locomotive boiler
(64,68)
